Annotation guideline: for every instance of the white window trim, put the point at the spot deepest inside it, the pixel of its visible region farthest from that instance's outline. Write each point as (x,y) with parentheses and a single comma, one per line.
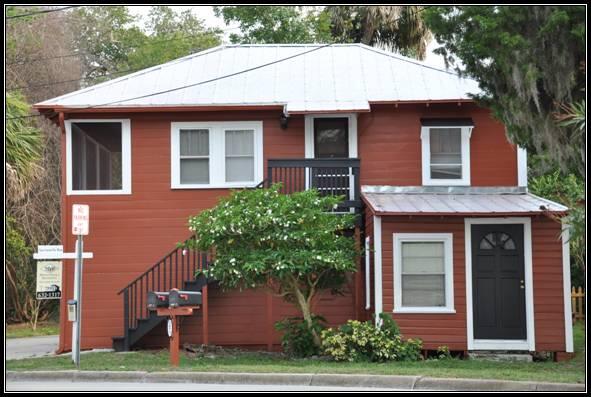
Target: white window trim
(568,322)
(426,157)
(521,167)
(447,240)
(125,158)
(217,163)
(499,344)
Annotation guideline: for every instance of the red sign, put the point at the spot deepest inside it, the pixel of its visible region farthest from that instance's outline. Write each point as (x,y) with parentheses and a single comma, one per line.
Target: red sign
(80,218)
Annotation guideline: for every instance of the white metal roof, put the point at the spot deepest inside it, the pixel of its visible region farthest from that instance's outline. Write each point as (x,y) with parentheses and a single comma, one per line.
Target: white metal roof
(456,201)
(317,78)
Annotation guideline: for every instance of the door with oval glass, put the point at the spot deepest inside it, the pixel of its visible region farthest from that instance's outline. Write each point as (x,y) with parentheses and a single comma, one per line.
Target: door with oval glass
(498,282)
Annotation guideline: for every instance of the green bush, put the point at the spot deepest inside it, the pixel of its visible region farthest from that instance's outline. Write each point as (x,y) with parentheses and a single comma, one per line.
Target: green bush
(363,341)
(297,339)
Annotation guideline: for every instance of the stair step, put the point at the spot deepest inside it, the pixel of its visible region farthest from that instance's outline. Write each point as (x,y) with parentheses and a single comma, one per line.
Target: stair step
(500,356)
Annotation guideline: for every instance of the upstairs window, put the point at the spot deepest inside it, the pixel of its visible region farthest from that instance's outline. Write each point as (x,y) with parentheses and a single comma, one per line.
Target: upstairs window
(98,156)
(446,152)
(216,154)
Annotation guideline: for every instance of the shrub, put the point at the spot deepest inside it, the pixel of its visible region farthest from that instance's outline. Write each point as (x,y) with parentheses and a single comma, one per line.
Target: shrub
(363,341)
(297,339)
(443,353)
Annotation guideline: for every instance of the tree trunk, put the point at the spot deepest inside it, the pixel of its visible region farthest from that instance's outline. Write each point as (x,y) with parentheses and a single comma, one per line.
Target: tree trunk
(304,305)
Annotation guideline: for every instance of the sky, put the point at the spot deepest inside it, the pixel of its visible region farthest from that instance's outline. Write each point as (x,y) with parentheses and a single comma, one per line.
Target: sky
(206,13)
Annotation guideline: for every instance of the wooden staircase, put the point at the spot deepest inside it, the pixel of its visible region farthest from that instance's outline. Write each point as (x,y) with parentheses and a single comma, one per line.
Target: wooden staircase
(180,269)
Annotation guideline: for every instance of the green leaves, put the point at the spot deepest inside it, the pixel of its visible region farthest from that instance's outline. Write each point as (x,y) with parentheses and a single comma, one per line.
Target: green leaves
(527,61)
(23,145)
(261,235)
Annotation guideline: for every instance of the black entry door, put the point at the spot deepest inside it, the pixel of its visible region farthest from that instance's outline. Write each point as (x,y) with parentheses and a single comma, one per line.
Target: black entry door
(331,140)
(498,282)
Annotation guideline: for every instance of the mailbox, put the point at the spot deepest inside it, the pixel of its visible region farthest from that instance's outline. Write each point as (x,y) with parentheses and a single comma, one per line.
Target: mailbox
(157,299)
(72,310)
(184,298)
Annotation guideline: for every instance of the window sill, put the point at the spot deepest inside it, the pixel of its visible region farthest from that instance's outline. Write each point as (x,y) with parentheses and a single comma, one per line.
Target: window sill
(446,182)
(98,192)
(225,186)
(424,310)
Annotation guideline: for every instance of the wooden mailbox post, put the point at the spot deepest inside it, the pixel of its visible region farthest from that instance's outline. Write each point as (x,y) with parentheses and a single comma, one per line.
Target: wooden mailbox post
(174,333)
(174,304)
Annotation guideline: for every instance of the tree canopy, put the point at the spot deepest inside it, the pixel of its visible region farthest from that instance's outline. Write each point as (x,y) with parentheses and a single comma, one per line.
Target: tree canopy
(292,245)
(529,62)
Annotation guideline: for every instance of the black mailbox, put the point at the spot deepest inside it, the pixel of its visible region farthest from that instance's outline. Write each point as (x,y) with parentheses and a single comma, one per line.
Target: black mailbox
(184,298)
(157,299)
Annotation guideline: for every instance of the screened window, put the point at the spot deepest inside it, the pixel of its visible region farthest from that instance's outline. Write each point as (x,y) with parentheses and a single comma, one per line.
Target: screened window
(194,156)
(446,155)
(239,155)
(98,157)
(216,154)
(423,272)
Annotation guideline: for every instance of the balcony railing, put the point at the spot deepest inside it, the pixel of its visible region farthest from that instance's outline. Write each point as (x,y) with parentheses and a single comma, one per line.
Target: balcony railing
(330,176)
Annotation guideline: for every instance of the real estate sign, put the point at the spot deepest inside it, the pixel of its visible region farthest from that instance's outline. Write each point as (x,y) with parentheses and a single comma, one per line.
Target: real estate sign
(49,280)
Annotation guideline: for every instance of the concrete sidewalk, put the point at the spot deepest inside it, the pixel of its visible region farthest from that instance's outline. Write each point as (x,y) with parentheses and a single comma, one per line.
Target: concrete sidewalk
(37,346)
(297,380)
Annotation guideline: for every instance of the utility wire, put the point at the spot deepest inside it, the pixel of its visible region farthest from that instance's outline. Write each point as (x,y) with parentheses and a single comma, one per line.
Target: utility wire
(189,85)
(41,12)
(79,54)
(201,82)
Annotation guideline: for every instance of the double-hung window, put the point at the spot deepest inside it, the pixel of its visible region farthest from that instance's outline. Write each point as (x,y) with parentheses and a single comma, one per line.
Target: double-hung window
(216,154)
(446,151)
(98,156)
(423,273)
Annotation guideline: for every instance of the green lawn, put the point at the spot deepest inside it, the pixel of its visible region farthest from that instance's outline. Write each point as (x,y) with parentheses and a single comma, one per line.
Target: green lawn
(25,330)
(571,371)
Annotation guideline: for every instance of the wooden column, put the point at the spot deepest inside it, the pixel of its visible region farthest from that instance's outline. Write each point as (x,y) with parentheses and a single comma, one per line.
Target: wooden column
(175,342)
(205,312)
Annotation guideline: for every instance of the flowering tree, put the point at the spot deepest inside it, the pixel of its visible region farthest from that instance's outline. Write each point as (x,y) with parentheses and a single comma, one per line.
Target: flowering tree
(291,245)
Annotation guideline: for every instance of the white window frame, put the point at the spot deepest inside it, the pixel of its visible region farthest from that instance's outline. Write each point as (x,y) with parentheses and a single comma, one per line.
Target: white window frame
(447,240)
(466,132)
(217,153)
(125,158)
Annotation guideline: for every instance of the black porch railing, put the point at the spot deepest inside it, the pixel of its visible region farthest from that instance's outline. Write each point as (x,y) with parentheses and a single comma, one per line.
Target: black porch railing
(172,271)
(330,176)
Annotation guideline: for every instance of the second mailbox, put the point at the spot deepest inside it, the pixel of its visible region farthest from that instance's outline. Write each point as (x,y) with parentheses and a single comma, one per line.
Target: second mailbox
(184,298)
(157,299)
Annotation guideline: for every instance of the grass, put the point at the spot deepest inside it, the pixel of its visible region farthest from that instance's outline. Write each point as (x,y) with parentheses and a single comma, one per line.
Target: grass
(24,330)
(572,371)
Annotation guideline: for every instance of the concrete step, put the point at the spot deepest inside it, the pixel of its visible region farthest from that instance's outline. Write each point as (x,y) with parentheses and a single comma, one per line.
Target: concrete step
(500,356)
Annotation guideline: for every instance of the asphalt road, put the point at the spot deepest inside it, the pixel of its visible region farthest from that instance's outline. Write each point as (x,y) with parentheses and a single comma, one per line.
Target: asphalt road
(201,387)
(37,346)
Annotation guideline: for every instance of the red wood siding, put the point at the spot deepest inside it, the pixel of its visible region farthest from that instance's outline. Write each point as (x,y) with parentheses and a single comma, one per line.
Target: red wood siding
(128,233)
(450,329)
(390,145)
(548,285)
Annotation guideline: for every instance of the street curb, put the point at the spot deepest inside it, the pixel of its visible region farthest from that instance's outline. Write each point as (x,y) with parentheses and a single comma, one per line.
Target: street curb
(327,380)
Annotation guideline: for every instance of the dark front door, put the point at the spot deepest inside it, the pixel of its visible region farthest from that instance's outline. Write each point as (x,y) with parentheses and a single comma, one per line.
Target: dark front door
(331,140)
(498,282)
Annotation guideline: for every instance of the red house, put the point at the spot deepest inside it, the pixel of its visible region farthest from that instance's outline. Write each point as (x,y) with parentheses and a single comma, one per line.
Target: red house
(458,252)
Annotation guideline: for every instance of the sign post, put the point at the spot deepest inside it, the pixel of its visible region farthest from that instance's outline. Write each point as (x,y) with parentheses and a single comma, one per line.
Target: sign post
(55,252)
(80,217)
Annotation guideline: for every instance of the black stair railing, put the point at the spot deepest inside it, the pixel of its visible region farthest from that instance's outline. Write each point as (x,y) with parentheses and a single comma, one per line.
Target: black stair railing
(172,271)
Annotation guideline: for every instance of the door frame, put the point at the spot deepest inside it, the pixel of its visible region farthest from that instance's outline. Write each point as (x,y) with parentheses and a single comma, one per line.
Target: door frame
(501,344)
(309,140)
